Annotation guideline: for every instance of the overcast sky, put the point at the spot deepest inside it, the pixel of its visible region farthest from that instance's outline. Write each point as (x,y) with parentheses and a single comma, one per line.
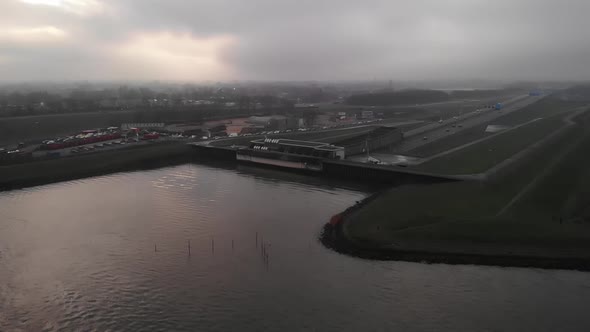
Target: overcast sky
(294,39)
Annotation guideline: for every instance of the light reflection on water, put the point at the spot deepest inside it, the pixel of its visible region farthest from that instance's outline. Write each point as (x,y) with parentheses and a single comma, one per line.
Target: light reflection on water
(112,253)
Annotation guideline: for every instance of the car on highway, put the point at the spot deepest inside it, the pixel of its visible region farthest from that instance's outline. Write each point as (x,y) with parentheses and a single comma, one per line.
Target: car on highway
(424,138)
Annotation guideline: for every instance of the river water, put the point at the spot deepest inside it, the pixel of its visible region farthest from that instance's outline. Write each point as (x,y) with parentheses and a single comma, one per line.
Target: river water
(111,253)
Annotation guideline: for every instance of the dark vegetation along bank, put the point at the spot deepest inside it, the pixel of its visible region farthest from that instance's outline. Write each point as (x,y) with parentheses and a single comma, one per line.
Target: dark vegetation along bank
(535,214)
(93,164)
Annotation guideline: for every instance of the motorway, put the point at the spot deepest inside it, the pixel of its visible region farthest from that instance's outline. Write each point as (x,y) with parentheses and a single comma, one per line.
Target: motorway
(416,137)
(328,135)
(413,137)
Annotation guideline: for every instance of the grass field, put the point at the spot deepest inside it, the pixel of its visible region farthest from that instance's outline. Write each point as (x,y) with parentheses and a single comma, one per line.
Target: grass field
(462,216)
(482,156)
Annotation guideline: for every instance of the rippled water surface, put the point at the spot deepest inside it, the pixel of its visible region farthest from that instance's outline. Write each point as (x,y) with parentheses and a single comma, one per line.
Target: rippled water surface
(111,253)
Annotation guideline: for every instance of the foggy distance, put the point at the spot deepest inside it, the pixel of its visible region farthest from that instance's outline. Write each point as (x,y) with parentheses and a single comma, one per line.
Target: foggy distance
(270,165)
(293,40)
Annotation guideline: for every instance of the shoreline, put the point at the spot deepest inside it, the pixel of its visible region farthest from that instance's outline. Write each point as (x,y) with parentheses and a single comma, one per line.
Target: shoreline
(526,237)
(333,237)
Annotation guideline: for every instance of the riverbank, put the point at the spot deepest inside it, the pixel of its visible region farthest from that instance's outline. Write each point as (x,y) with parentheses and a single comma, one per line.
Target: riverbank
(444,249)
(100,163)
(334,238)
(534,215)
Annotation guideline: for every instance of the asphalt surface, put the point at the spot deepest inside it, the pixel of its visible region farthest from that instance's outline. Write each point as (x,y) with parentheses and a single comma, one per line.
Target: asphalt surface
(327,135)
(426,134)
(413,137)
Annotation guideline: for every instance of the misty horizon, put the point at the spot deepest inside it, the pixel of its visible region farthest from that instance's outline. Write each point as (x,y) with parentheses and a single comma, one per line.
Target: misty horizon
(73,40)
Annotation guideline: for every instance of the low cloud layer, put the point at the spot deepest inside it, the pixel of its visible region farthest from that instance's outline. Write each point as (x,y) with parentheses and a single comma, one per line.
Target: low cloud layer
(293,39)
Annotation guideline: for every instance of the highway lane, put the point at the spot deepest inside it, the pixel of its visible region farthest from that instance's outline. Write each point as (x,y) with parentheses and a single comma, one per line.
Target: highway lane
(360,128)
(434,131)
(320,135)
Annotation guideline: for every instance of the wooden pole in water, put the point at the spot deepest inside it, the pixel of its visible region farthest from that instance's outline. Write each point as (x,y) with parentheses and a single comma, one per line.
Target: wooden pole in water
(256,240)
(266,260)
(155,248)
(189,247)
(232,244)
(212,245)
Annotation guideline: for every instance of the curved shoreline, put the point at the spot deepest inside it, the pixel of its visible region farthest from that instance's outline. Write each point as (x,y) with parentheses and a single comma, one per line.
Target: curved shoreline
(333,237)
(577,257)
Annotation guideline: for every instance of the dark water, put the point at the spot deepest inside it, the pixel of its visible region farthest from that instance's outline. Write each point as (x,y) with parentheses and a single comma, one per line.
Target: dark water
(80,256)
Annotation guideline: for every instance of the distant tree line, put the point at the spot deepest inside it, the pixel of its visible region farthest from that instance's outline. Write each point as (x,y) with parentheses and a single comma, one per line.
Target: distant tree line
(463,94)
(78,100)
(404,97)
(576,93)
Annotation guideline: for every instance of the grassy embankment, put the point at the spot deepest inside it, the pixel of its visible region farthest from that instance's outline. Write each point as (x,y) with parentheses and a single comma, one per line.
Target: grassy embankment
(463,217)
(103,162)
(484,155)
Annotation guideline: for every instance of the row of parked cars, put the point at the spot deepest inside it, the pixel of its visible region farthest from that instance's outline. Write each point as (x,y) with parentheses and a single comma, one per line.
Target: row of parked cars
(86,148)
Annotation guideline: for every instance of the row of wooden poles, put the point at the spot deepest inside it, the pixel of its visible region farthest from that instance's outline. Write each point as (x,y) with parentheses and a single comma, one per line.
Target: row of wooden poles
(264,246)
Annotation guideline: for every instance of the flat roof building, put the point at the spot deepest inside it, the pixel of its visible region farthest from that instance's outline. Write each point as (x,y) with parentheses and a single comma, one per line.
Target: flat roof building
(304,148)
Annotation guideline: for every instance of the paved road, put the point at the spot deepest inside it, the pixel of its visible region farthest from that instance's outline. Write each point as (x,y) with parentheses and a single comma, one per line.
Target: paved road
(434,131)
(320,135)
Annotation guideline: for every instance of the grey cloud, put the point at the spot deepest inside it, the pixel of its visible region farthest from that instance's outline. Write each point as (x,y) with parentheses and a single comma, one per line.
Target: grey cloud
(331,39)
